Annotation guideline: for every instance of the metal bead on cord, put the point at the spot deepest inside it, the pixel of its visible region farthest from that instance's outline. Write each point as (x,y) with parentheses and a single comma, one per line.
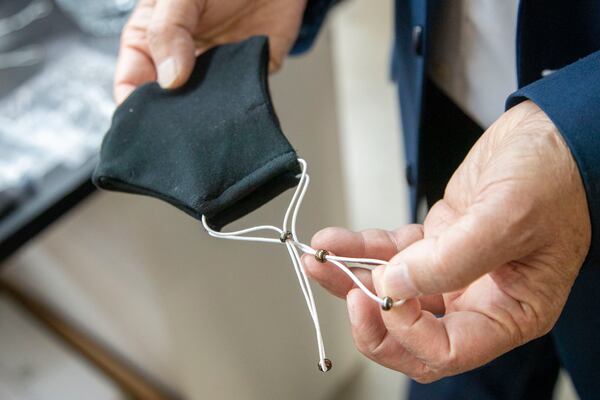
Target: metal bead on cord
(287,236)
(321,255)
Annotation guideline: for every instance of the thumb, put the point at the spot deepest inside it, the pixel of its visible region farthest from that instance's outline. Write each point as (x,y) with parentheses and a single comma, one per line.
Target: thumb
(170,40)
(476,243)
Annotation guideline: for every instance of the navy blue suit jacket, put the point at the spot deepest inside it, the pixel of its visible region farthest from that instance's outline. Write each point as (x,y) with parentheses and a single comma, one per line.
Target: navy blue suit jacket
(558,35)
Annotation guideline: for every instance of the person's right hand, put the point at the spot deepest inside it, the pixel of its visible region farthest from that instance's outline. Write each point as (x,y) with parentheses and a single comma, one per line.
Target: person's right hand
(163,37)
(492,266)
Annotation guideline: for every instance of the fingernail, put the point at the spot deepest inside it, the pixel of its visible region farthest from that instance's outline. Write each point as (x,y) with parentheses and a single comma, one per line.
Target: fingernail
(167,73)
(397,282)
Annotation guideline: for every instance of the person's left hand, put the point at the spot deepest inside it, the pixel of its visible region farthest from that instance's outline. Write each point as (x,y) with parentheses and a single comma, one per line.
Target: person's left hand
(497,256)
(162,38)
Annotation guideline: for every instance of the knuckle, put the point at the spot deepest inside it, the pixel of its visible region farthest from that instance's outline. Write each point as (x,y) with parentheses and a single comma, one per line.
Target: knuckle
(132,35)
(324,237)
(543,325)
(365,350)
(415,230)
(376,350)
(372,349)
(425,375)
(158,30)
(546,328)
(450,362)
(439,367)
(537,322)
(445,364)
(424,379)
(369,349)
(275,64)
(522,225)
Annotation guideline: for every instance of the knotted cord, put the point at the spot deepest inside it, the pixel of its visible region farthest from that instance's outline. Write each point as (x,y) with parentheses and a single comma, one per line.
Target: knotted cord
(287,235)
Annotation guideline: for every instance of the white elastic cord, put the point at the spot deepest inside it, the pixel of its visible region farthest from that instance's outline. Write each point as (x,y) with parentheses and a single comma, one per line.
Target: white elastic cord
(289,237)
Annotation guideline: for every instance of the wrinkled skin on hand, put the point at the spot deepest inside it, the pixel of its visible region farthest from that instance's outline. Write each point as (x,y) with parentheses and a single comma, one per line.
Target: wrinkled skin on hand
(497,256)
(163,37)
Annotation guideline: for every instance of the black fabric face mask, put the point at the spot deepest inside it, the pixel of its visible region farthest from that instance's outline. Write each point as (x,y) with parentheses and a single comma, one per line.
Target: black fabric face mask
(213,147)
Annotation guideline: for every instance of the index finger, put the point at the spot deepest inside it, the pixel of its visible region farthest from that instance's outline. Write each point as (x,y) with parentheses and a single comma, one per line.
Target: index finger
(372,243)
(134,64)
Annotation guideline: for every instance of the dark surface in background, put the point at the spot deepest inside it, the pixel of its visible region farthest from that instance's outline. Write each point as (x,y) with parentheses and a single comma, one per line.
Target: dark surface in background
(27,211)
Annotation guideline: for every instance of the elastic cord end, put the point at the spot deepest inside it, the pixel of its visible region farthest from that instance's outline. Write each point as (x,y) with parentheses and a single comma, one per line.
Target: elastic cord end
(325,365)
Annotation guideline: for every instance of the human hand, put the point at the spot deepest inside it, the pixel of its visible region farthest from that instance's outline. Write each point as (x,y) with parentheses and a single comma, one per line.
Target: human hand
(498,256)
(163,37)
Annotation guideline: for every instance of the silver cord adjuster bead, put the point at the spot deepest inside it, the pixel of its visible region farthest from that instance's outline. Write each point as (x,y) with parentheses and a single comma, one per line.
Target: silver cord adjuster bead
(328,365)
(387,304)
(285,236)
(321,255)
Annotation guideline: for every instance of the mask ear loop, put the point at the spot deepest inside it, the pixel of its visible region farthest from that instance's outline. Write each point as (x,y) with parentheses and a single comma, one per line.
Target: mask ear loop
(289,237)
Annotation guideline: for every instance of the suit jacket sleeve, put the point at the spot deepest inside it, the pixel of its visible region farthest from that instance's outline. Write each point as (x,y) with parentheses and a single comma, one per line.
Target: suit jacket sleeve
(571,98)
(314,16)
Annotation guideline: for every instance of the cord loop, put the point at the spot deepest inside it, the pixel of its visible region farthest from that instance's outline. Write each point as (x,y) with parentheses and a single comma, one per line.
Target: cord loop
(288,237)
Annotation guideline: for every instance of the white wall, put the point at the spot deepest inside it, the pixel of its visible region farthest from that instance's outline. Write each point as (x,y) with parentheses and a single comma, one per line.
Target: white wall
(372,152)
(371,145)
